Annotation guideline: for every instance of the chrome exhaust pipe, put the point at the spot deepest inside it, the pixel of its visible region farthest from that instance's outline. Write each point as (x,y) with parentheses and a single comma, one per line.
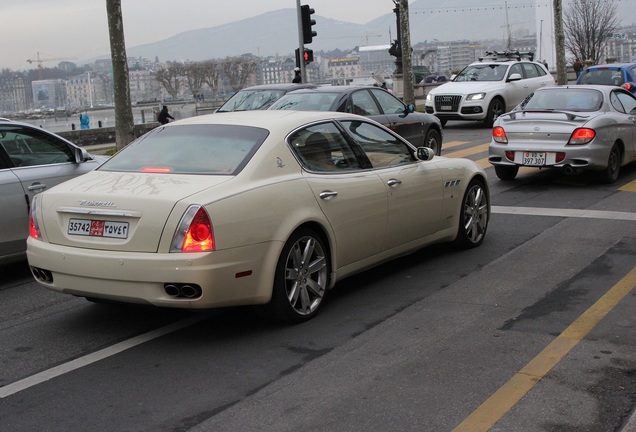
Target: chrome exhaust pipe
(171,290)
(190,291)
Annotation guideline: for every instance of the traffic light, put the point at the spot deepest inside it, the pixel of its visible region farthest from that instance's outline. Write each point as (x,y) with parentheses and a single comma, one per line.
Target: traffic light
(307,22)
(308,56)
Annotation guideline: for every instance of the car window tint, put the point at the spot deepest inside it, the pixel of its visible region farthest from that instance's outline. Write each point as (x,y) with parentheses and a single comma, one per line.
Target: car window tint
(190,149)
(515,69)
(31,147)
(530,70)
(362,103)
(564,99)
(251,100)
(626,101)
(380,147)
(323,148)
(388,103)
(603,77)
(309,101)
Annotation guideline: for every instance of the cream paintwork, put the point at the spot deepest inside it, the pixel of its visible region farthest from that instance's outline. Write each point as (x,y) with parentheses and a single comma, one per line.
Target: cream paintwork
(252,215)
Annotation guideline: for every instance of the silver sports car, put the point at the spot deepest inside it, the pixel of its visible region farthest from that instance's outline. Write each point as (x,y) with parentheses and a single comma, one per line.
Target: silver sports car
(265,208)
(574,128)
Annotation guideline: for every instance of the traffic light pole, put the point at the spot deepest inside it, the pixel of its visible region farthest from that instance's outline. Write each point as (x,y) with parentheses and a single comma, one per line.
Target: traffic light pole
(301,42)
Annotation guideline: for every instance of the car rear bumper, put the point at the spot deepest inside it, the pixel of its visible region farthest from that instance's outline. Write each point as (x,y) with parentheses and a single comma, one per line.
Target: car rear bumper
(591,156)
(227,277)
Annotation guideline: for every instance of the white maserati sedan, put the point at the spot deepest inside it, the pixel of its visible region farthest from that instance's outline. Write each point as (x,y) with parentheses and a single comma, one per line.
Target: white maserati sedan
(264,208)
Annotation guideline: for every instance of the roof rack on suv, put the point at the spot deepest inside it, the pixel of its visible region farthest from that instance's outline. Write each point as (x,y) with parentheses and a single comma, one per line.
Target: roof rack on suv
(507,55)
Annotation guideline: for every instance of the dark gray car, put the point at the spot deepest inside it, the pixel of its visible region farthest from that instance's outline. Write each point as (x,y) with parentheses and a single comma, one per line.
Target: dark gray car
(31,160)
(420,129)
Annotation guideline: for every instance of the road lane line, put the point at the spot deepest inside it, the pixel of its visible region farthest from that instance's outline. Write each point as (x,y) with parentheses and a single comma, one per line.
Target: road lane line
(507,396)
(629,187)
(561,212)
(469,151)
(451,144)
(80,362)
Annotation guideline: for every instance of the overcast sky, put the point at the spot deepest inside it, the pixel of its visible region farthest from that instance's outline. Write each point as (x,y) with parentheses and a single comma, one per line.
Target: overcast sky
(78,29)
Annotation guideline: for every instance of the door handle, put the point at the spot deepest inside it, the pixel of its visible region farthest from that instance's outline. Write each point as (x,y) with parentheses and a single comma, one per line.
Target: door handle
(394,182)
(36,187)
(327,194)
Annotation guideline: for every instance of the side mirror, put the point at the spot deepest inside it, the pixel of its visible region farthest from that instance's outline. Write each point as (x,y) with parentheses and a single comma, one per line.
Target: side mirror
(410,108)
(514,77)
(424,153)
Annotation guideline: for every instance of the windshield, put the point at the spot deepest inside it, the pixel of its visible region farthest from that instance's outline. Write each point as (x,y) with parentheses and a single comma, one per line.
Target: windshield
(602,76)
(483,72)
(190,149)
(563,99)
(315,101)
(247,100)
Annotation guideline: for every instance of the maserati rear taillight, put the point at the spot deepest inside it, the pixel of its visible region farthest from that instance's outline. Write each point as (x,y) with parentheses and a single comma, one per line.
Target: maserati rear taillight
(194,233)
(34,228)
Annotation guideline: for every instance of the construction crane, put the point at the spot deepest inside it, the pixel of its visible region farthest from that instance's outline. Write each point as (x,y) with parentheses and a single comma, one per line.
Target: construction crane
(39,60)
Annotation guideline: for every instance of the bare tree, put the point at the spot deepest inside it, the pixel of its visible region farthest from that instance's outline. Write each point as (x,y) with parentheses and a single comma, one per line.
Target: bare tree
(124,122)
(587,24)
(170,78)
(212,72)
(237,70)
(195,74)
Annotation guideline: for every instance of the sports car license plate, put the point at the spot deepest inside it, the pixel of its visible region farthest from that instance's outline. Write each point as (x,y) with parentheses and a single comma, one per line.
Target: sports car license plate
(533,158)
(98,228)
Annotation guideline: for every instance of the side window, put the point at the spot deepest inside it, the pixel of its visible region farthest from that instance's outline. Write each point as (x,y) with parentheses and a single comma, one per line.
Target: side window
(627,101)
(515,69)
(362,103)
(616,103)
(322,148)
(389,103)
(380,147)
(27,147)
(530,70)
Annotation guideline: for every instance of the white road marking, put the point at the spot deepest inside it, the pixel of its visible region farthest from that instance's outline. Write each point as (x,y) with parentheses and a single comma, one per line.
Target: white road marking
(48,374)
(560,212)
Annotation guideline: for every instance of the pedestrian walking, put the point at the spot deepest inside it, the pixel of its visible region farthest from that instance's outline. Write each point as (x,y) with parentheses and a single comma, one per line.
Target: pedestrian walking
(578,67)
(164,115)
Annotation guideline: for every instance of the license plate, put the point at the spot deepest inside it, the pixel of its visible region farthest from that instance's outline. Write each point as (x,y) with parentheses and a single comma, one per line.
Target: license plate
(445,108)
(98,228)
(533,158)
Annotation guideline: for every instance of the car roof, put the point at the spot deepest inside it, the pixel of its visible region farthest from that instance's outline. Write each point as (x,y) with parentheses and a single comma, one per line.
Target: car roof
(265,118)
(333,89)
(279,86)
(611,66)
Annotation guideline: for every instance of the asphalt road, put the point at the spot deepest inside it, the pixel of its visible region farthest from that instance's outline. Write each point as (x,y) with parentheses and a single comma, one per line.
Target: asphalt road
(533,331)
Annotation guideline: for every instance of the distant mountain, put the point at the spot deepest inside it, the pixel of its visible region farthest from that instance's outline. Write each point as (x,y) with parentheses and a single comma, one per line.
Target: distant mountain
(276,33)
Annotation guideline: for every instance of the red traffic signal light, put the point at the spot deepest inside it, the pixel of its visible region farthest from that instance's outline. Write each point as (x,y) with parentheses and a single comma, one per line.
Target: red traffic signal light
(308,56)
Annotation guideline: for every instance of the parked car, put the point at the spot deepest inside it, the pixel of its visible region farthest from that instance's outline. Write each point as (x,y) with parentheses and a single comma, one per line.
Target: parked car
(573,128)
(31,160)
(486,89)
(267,208)
(259,97)
(420,129)
(615,74)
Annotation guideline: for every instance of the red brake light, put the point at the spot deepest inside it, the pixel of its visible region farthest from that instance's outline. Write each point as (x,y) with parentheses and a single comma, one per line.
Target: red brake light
(499,135)
(194,233)
(33,229)
(581,136)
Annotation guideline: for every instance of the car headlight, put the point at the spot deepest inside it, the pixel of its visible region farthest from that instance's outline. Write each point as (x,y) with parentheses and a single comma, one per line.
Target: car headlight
(476,96)
(429,98)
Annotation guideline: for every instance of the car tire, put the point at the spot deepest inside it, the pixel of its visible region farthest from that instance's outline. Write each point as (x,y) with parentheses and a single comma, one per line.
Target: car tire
(433,141)
(610,173)
(495,109)
(506,172)
(301,279)
(474,216)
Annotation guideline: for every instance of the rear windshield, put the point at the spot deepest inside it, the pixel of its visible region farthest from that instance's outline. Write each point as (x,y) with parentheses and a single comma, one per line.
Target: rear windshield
(190,149)
(247,100)
(313,101)
(564,99)
(602,76)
